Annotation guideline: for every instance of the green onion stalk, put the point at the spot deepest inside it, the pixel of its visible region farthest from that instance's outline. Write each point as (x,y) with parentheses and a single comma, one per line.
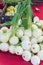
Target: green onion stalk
(8,1)
(27,16)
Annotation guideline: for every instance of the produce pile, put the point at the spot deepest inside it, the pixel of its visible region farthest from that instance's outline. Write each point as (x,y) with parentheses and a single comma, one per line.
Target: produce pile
(11,10)
(24,37)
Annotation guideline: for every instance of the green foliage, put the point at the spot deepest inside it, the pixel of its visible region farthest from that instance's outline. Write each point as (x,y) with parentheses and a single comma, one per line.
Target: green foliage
(25,23)
(6,1)
(27,15)
(23,11)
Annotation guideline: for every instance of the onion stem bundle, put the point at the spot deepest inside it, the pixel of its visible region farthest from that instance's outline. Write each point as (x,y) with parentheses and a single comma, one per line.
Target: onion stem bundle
(24,6)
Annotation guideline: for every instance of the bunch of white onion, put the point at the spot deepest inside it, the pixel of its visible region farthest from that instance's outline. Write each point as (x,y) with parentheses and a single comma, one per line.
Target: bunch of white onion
(25,42)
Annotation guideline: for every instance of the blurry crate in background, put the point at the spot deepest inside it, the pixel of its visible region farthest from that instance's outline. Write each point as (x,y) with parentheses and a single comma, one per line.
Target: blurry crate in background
(2,8)
(5,18)
(37,2)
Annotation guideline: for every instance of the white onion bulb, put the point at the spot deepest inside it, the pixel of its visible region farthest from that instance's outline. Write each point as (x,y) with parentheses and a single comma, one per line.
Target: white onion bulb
(35,60)
(35,48)
(33,40)
(26,44)
(25,38)
(36,19)
(14,40)
(28,32)
(18,50)
(26,55)
(4,47)
(35,27)
(19,33)
(37,33)
(40,39)
(12,49)
(40,54)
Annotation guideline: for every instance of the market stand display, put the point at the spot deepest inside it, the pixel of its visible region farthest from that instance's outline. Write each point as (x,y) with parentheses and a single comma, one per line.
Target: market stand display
(23,39)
